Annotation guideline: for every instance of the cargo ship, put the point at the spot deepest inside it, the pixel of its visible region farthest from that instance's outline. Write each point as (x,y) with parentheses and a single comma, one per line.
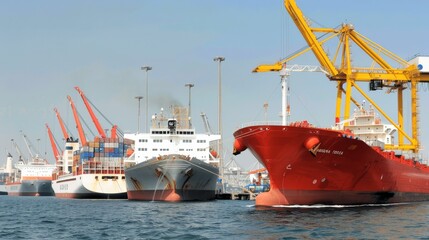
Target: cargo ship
(29,179)
(359,160)
(346,166)
(90,169)
(94,171)
(172,162)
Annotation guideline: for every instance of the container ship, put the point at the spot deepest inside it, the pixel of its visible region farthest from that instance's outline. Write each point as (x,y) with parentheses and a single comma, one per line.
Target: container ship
(359,160)
(94,171)
(29,179)
(89,169)
(172,162)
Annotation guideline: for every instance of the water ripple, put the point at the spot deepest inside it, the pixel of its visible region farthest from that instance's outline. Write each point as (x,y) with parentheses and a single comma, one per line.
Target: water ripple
(52,218)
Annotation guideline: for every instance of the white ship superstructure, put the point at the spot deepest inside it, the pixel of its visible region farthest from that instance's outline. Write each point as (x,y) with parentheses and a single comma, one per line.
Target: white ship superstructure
(29,179)
(368,127)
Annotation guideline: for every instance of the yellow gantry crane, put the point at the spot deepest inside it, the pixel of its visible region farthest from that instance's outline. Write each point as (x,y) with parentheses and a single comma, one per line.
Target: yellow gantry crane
(380,75)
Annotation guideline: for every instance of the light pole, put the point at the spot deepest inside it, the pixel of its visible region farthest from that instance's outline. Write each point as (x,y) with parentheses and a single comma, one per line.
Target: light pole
(189,85)
(138,114)
(219,146)
(147,69)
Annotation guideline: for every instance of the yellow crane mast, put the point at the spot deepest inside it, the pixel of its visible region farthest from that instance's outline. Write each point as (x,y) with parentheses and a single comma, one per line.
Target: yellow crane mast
(339,68)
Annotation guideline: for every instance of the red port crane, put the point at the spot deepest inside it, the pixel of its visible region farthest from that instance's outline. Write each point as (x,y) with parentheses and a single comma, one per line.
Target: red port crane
(78,124)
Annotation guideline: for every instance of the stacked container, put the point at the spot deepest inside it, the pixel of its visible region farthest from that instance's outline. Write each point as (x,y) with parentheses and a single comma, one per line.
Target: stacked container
(103,155)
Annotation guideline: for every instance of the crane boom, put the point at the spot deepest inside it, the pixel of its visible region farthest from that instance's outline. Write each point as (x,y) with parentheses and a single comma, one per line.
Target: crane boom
(63,128)
(311,39)
(206,123)
(18,150)
(53,145)
(346,33)
(28,144)
(78,124)
(91,113)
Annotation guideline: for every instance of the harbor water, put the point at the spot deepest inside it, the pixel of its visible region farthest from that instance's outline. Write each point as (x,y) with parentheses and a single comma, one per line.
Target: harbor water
(52,218)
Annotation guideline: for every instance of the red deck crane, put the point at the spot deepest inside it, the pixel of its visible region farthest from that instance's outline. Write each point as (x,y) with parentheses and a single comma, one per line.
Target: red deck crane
(54,146)
(78,124)
(63,128)
(91,113)
(94,118)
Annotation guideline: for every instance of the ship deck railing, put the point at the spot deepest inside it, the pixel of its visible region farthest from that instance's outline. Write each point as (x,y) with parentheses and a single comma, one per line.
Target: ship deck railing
(276,123)
(102,168)
(363,132)
(261,123)
(103,171)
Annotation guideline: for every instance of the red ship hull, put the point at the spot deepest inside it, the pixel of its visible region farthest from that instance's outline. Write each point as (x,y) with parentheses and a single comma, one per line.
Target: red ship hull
(309,166)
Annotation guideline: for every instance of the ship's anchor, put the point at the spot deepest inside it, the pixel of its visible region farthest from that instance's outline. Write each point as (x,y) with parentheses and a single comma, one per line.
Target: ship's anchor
(312,144)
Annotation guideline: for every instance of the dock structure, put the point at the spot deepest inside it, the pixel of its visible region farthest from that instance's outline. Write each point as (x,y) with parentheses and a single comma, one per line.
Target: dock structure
(236,196)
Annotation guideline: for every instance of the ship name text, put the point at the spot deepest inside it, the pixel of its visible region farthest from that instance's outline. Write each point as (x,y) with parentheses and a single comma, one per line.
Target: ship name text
(328,151)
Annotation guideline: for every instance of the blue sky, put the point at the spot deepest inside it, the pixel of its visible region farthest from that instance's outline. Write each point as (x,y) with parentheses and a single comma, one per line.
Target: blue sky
(48,47)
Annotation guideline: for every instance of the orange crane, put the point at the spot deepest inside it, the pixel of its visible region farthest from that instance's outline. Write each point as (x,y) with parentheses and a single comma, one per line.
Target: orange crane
(91,113)
(54,146)
(113,132)
(63,128)
(94,118)
(78,124)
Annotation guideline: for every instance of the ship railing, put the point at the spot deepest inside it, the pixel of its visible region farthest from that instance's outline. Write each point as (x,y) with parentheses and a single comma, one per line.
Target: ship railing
(372,132)
(261,123)
(103,168)
(279,123)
